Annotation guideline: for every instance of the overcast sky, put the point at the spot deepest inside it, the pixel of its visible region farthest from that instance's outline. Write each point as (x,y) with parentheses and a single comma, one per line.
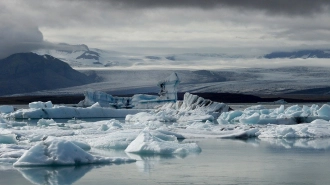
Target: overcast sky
(219,26)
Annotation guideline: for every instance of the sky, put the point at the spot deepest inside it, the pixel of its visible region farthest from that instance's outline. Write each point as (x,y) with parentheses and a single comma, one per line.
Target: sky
(253,27)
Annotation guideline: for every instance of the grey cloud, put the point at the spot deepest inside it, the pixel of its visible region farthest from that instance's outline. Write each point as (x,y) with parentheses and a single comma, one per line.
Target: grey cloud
(287,7)
(19,31)
(18,38)
(85,21)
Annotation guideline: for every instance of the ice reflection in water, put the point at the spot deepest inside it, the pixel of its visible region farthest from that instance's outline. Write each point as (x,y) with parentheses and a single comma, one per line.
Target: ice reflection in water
(55,175)
(147,162)
(302,143)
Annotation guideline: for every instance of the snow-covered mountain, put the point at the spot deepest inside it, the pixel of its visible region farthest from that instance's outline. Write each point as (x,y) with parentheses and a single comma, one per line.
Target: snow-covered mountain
(90,57)
(83,56)
(300,54)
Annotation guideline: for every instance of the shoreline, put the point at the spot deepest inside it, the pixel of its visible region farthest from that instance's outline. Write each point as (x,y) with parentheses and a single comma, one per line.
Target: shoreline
(218,97)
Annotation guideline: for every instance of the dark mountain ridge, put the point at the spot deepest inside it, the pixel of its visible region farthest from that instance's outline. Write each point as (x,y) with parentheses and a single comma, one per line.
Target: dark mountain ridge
(28,72)
(300,54)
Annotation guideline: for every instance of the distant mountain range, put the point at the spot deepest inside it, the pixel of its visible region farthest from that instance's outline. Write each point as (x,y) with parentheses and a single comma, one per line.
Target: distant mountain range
(300,54)
(83,56)
(28,72)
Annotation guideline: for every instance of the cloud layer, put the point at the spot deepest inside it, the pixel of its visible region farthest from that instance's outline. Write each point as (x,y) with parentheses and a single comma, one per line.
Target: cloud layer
(223,26)
(291,7)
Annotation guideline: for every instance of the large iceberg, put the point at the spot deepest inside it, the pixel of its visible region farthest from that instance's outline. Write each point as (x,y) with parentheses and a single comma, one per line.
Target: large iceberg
(192,108)
(291,115)
(58,152)
(168,93)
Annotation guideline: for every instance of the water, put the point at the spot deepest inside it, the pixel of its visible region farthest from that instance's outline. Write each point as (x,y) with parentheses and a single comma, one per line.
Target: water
(273,161)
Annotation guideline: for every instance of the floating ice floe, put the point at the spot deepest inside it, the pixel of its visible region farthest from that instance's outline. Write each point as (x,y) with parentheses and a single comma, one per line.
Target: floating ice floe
(150,143)
(6,109)
(192,108)
(7,138)
(316,129)
(58,152)
(9,153)
(57,111)
(261,115)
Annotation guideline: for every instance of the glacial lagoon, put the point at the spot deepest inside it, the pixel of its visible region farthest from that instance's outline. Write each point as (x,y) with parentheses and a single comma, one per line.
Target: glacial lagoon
(222,161)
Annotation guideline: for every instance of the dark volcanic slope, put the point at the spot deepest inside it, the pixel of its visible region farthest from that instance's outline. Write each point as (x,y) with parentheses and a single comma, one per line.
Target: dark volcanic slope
(28,72)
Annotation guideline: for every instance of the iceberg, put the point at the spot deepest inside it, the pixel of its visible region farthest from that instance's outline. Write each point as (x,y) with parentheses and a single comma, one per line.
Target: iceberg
(99,104)
(40,105)
(148,143)
(291,115)
(104,100)
(59,152)
(168,93)
(60,111)
(168,87)
(192,108)
(316,129)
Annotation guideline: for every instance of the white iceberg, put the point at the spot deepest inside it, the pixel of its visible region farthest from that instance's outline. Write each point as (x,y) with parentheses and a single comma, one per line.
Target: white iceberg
(168,87)
(281,116)
(148,143)
(192,108)
(168,93)
(316,129)
(58,152)
(40,105)
(94,111)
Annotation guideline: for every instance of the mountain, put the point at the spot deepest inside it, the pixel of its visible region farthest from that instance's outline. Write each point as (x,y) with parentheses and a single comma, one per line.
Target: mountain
(83,56)
(28,72)
(300,54)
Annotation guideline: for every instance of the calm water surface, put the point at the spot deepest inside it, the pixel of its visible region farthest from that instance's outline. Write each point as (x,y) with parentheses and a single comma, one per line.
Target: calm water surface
(220,162)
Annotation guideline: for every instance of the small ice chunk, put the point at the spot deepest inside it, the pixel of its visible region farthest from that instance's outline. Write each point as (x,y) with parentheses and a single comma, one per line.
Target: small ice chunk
(8,139)
(324,111)
(103,127)
(253,119)
(40,105)
(281,101)
(45,122)
(6,109)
